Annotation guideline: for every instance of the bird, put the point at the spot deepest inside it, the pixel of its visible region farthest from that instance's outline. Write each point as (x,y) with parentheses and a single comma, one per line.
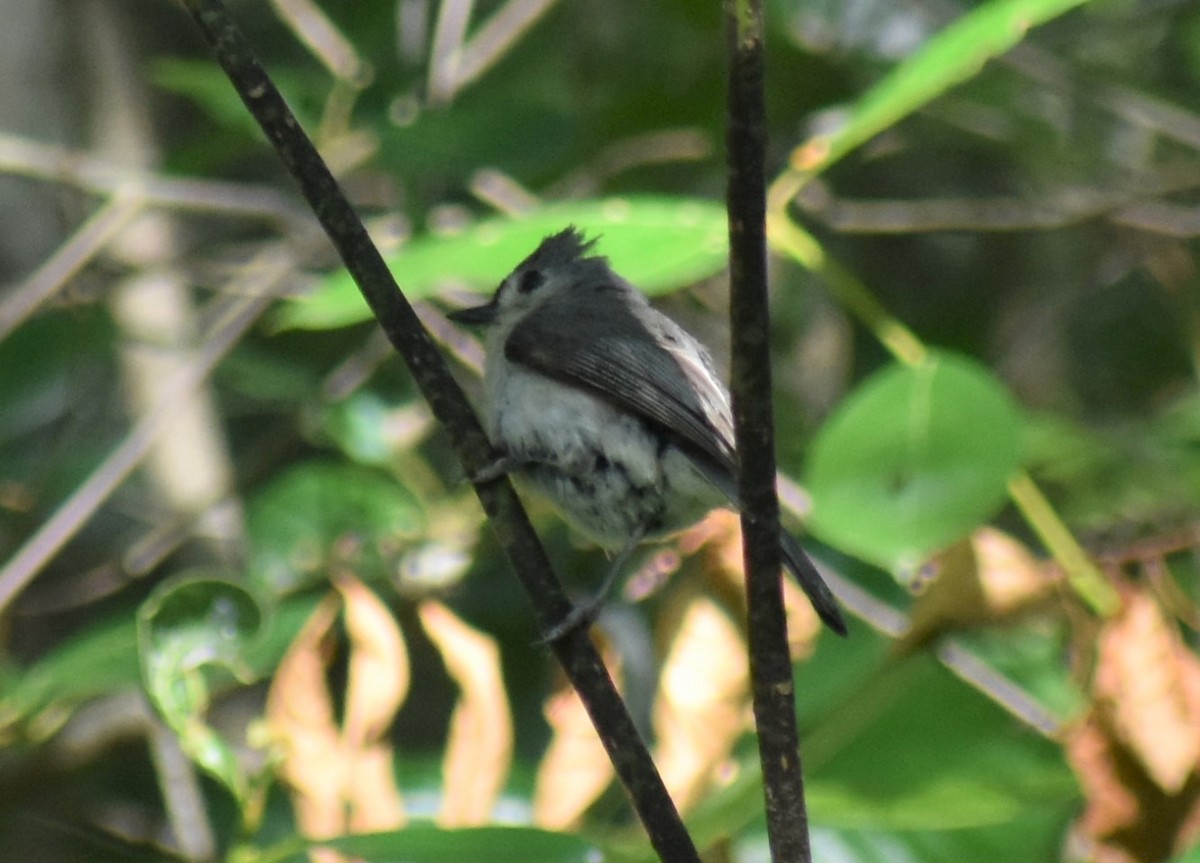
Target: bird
(608,408)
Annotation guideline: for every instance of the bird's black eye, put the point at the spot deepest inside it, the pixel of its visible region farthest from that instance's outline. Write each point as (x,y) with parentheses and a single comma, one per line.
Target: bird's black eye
(530,281)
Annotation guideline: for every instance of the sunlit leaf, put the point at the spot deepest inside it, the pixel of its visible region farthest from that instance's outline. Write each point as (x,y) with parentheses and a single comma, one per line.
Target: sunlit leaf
(340,774)
(479,745)
(954,55)
(320,515)
(908,749)
(984,578)
(913,460)
(186,631)
(378,676)
(427,844)
(1148,688)
(658,244)
(575,768)
(702,704)
(719,537)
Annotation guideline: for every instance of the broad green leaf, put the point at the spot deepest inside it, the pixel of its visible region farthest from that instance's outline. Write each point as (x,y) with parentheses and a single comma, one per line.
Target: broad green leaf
(903,750)
(35,701)
(361,425)
(320,515)
(1192,855)
(658,244)
(917,750)
(1035,834)
(954,55)
(186,631)
(422,144)
(428,844)
(203,83)
(913,460)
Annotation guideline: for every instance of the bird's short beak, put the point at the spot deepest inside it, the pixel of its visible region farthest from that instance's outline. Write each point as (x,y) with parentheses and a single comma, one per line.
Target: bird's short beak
(475,315)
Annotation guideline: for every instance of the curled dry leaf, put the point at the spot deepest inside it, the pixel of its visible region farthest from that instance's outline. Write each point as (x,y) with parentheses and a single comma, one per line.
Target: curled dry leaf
(1137,752)
(575,769)
(720,536)
(703,701)
(479,747)
(1148,683)
(378,668)
(301,717)
(377,684)
(701,708)
(983,579)
(341,777)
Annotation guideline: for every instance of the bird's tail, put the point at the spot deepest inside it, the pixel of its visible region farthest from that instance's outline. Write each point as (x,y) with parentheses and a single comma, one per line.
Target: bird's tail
(811,583)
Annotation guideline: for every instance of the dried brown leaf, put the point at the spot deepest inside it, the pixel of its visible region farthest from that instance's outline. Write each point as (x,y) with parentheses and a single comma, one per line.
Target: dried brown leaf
(1136,752)
(703,698)
(1149,685)
(1128,817)
(575,769)
(983,579)
(479,748)
(374,800)
(341,777)
(301,717)
(720,535)
(378,669)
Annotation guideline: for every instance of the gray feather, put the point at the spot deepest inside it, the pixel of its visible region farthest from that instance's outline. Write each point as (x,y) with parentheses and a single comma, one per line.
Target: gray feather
(607,348)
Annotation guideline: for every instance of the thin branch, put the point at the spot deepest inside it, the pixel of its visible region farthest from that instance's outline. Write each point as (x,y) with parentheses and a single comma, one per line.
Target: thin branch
(29,158)
(85,243)
(314,29)
(80,506)
(445,55)
(770,662)
(496,37)
(1136,205)
(579,658)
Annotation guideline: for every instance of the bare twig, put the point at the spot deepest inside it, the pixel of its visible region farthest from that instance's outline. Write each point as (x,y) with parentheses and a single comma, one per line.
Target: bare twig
(44,161)
(445,54)
(770,662)
(79,507)
(92,236)
(323,38)
(496,36)
(579,658)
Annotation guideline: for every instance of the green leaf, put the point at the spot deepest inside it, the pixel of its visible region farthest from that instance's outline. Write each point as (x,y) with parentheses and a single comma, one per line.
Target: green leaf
(899,754)
(422,843)
(102,659)
(916,458)
(321,514)
(203,82)
(359,425)
(659,244)
(916,750)
(187,630)
(427,145)
(954,55)
(1191,855)
(34,702)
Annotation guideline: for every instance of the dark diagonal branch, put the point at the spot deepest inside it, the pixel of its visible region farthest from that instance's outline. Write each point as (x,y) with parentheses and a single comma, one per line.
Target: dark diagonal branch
(508,520)
(770,663)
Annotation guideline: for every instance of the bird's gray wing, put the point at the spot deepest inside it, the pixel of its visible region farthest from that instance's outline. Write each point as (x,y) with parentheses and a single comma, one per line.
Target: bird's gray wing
(608,348)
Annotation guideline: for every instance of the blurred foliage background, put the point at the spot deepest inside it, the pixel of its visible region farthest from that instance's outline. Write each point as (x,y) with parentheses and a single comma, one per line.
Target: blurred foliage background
(246,595)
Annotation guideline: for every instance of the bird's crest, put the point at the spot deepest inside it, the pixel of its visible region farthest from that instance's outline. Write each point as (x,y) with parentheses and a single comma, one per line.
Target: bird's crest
(559,250)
